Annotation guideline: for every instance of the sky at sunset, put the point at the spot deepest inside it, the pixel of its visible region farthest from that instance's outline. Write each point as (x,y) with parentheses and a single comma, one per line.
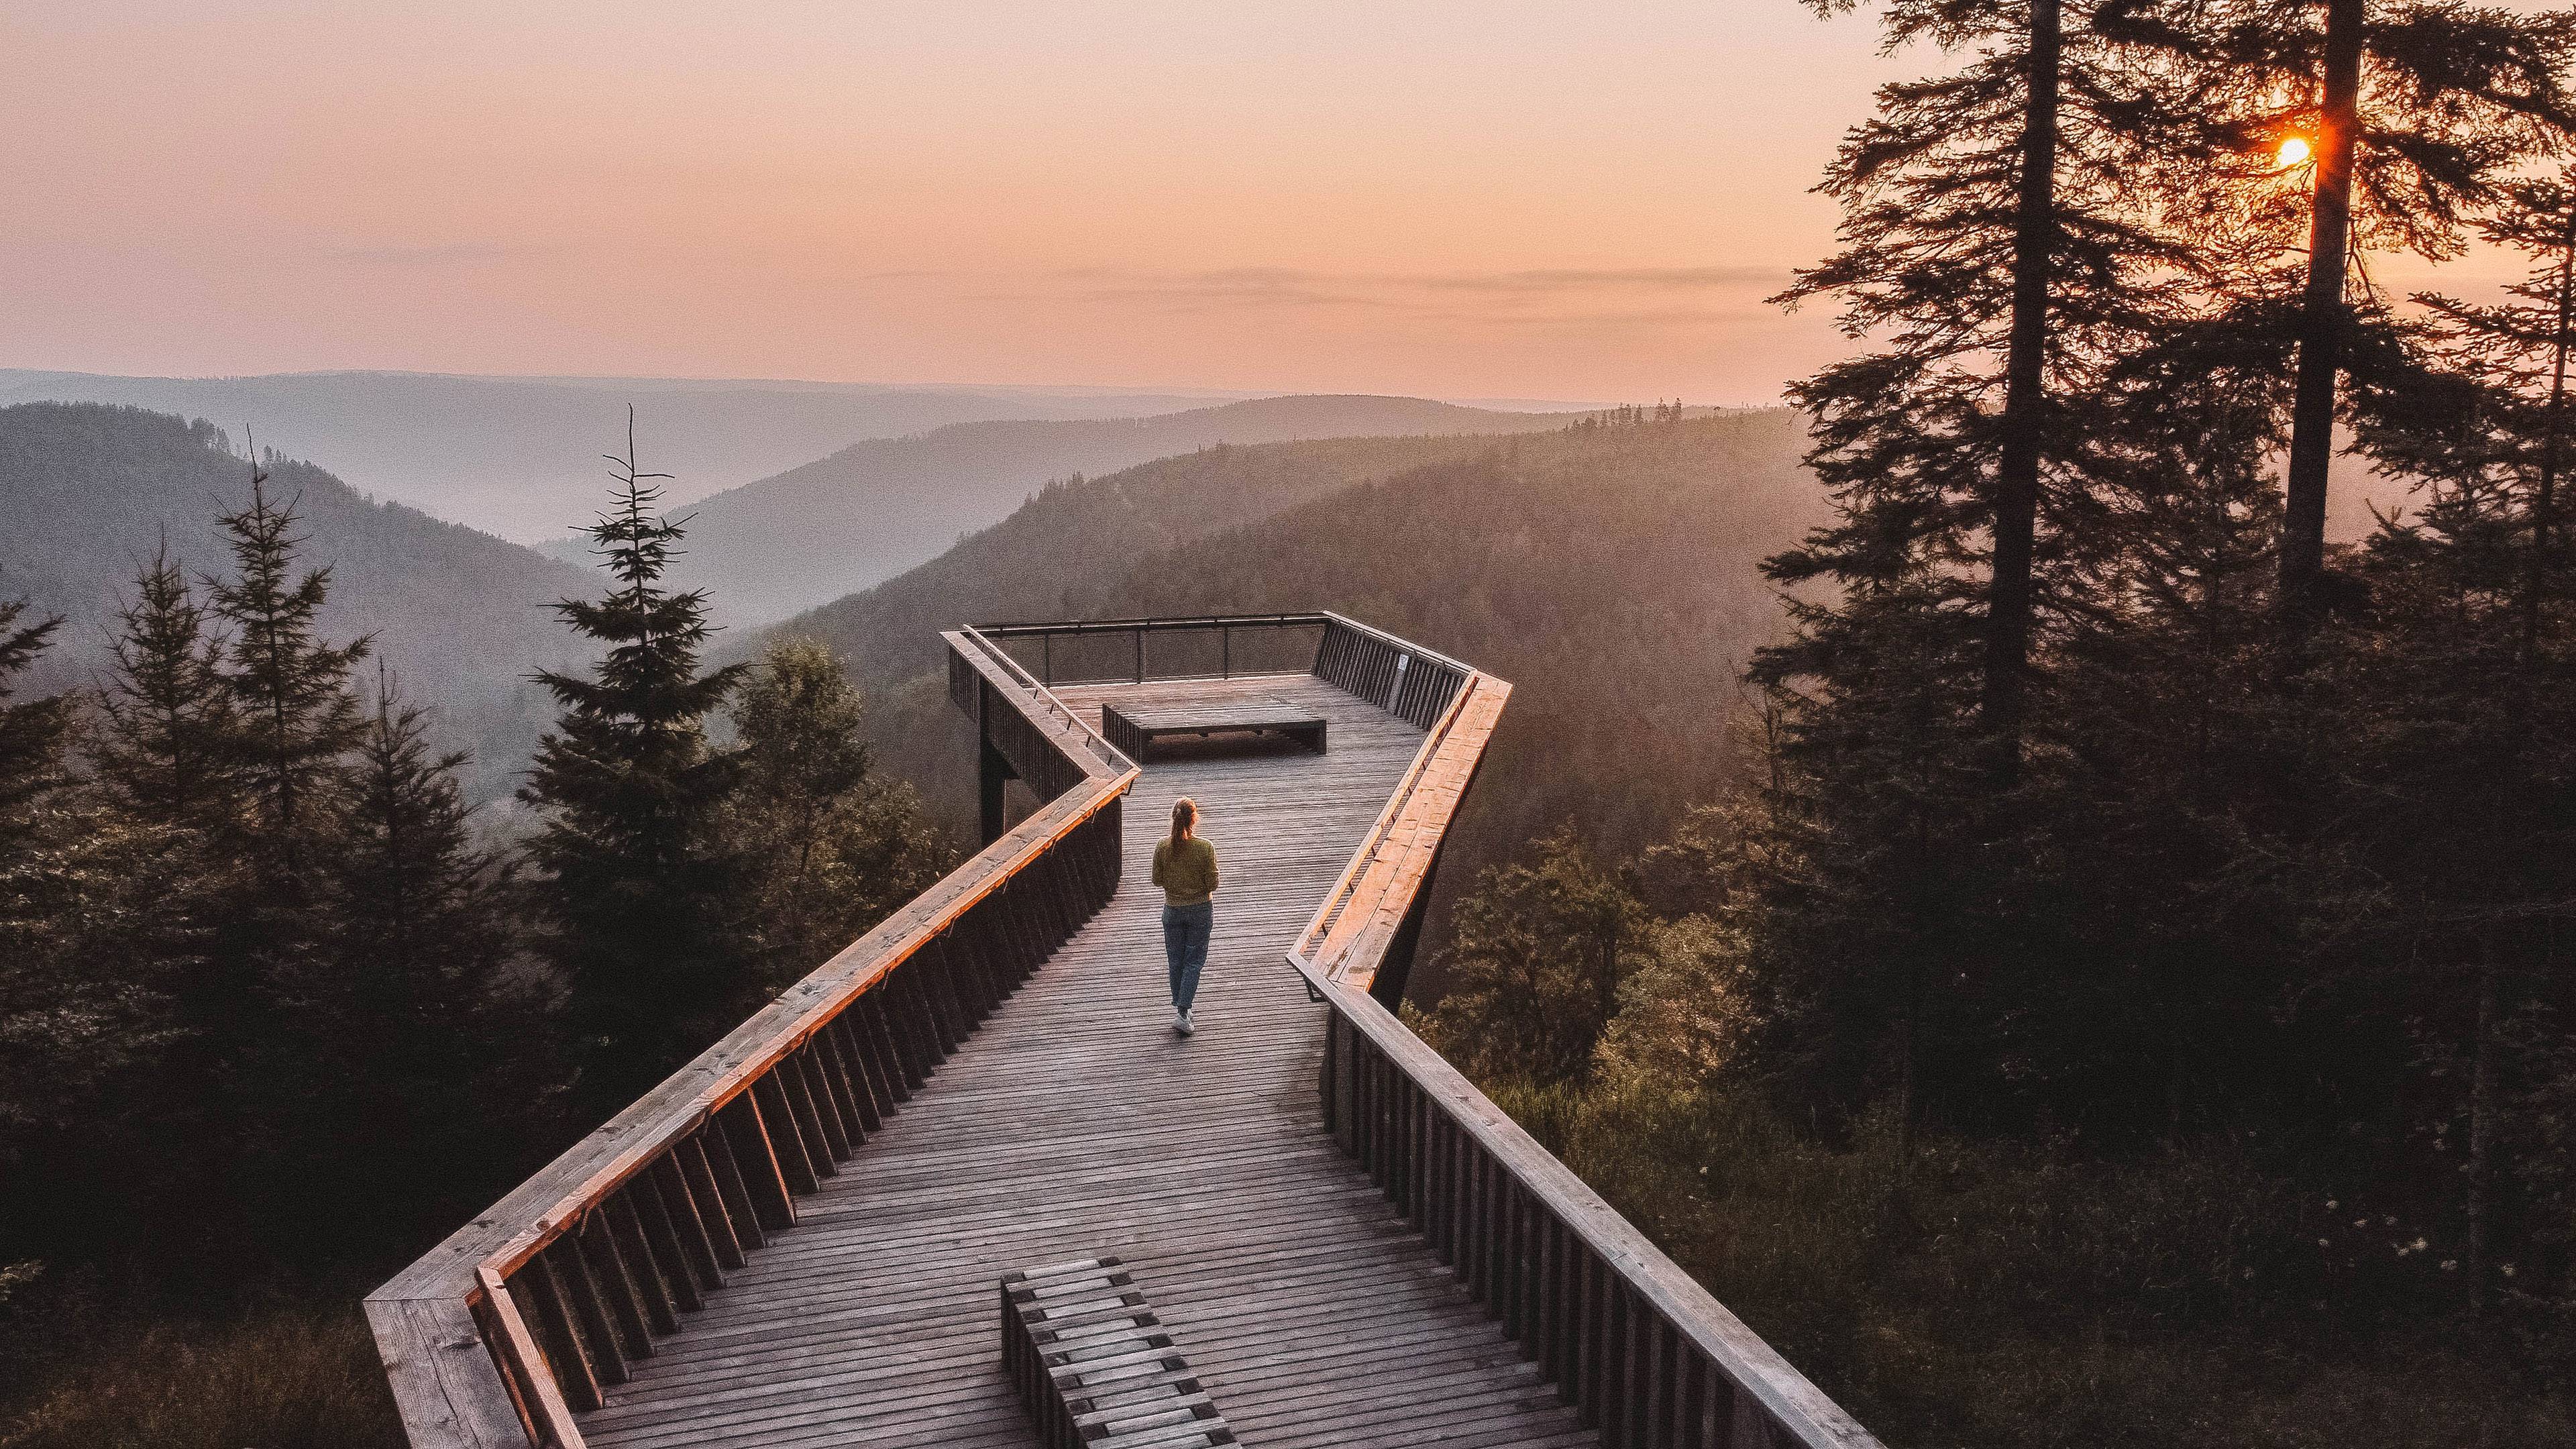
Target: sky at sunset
(1468,200)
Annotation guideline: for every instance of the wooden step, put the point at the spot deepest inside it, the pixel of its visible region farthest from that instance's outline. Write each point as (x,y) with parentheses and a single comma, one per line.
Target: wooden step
(1096,1367)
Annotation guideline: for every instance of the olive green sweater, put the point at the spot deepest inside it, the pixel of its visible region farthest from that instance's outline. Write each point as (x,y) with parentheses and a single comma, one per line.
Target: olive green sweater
(1187,875)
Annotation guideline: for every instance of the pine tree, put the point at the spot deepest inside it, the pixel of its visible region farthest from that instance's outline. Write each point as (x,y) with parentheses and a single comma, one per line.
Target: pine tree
(31,731)
(252,1006)
(296,715)
(2415,115)
(166,759)
(633,869)
(2169,752)
(164,747)
(830,845)
(1993,237)
(88,923)
(439,1054)
(2462,704)
(2002,245)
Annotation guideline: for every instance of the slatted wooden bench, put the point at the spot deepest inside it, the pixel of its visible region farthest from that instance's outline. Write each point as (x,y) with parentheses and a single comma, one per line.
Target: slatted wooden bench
(1096,1367)
(1134,727)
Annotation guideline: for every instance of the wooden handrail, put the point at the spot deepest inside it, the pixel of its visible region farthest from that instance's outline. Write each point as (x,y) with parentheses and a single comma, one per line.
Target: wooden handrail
(1635,1343)
(1158,624)
(1630,1338)
(1223,626)
(1347,938)
(986,656)
(468,1370)
(1393,642)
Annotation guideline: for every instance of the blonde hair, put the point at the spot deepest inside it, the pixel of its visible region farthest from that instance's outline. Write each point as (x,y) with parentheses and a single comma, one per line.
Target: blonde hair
(1185,814)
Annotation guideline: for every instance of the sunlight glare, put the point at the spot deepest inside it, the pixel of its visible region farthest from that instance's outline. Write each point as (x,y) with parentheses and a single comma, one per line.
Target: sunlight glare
(2294,152)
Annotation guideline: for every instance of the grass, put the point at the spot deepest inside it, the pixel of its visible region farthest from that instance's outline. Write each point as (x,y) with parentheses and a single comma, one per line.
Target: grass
(294,1376)
(2036,1296)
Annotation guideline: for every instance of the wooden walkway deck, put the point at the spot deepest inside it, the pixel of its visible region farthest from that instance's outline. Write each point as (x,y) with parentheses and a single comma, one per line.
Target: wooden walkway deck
(1075,1123)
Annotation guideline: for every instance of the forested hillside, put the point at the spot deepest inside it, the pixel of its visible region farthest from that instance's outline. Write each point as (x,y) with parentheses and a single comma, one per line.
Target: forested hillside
(91,491)
(273,1013)
(1606,570)
(879,507)
(519,456)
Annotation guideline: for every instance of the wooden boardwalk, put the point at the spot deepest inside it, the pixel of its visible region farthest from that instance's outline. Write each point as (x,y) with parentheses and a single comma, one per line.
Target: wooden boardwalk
(1074,1124)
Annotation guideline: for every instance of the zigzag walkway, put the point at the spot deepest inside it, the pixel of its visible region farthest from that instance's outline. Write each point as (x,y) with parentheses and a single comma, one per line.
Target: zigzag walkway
(1073,1124)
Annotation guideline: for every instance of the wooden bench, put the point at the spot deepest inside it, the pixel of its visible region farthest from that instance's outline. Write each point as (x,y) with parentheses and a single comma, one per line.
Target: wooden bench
(1096,1367)
(1134,727)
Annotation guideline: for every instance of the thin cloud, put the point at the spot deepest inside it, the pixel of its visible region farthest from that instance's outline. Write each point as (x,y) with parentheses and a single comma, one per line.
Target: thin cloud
(1667,279)
(429,254)
(1529,293)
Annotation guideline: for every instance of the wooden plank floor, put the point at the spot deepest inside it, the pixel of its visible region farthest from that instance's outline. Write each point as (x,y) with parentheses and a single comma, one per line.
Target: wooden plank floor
(1075,1124)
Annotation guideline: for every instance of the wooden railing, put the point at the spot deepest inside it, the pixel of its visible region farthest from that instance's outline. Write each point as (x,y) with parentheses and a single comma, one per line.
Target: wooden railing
(526,1314)
(1362,936)
(1400,677)
(1632,1341)
(1105,651)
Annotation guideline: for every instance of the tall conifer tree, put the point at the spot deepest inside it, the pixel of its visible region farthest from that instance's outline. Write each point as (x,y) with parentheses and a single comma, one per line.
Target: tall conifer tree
(296,715)
(293,722)
(633,866)
(1993,246)
(2002,251)
(164,748)
(2414,114)
(31,731)
(2460,707)
(416,1012)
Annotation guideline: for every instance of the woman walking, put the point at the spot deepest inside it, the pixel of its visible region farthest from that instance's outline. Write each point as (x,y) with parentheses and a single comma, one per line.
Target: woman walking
(1185,867)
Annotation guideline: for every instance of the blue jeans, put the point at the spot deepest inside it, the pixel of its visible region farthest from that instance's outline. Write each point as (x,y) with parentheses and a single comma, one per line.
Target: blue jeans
(1185,942)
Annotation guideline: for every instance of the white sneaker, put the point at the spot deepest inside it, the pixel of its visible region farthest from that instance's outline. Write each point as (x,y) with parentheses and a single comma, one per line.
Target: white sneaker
(1181,1023)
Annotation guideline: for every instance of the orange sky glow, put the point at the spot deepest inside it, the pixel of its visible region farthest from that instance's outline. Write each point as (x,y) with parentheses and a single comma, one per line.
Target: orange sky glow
(1454,199)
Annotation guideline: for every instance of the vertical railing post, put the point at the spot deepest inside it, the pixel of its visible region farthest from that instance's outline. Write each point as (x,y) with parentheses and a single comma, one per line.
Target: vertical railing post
(1225,650)
(991,770)
(1140,654)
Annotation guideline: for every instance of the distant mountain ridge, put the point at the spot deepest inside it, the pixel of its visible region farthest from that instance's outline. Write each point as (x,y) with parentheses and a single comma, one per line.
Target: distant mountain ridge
(88,491)
(876,508)
(1607,570)
(520,456)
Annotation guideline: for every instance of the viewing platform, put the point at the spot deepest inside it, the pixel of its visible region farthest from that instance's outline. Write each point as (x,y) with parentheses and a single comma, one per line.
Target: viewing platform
(798,1240)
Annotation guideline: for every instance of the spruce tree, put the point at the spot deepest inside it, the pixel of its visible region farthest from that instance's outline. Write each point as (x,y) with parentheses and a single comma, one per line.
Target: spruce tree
(2005,253)
(93,927)
(31,731)
(2414,114)
(255,1007)
(1993,245)
(164,748)
(637,881)
(296,715)
(2170,966)
(441,1055)
(2460,712)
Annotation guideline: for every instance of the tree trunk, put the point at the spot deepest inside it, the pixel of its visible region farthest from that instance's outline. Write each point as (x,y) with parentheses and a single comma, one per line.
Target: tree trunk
(2482,1111)
(2322,315)
(2544,496)
(2008,602)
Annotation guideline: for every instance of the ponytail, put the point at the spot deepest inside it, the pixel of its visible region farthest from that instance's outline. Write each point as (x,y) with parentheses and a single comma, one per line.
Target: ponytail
(1185,814)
